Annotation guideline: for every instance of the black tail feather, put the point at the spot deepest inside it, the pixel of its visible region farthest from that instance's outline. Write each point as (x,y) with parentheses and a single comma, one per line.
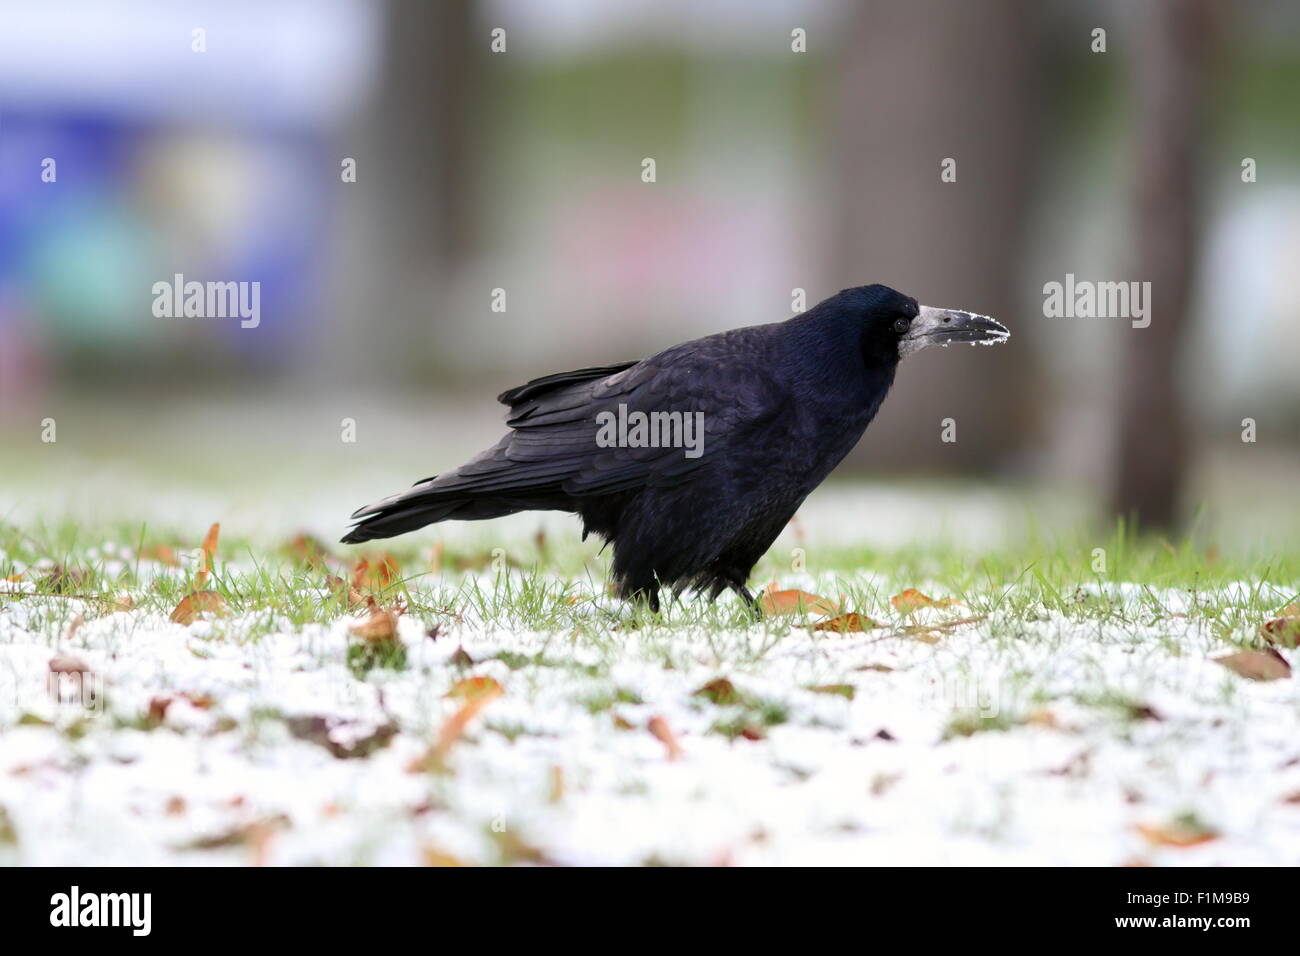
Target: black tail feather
(398,517)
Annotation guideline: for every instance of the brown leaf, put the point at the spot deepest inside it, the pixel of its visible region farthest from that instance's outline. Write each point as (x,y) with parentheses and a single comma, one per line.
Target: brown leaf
(847,623)
(257,836)
(67,664)
(342,738)
(432,856)
(308,550)
(379,625)
(209,548)
(158,709)
(775,602)
(1176,834)
(344,590)
(1257,665)
(662,732)
(843,690)
(200,602)
(1283,631)
(61,580)
(484,691)
(471,687)
(930,633)
(719,691)
(883,782)
(374,575)
(912,599)
(162,553)
(1042,717)
(557,781)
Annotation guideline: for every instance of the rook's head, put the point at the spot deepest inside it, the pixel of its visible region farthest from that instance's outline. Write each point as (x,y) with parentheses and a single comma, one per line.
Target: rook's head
(894,325)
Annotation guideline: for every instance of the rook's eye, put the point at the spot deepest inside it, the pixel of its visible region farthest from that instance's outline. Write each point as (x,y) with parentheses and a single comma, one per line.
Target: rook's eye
(902,325)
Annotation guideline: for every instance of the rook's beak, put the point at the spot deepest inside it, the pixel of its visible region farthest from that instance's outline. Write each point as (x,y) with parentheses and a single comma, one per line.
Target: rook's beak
(948,326)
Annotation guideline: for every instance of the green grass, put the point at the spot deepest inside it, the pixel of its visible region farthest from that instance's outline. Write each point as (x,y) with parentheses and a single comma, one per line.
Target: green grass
(559,586)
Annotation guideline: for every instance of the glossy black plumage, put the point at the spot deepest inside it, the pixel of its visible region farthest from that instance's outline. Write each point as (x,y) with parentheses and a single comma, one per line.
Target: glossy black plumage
(782,404)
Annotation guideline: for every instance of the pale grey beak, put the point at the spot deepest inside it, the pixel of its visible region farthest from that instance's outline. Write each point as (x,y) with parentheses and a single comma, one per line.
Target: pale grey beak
(950,326)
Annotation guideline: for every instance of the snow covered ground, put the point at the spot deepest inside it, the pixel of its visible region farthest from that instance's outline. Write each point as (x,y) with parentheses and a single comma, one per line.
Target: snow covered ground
(1031,735)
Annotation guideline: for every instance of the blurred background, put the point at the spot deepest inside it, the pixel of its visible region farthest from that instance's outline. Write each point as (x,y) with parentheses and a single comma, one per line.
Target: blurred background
(388,174)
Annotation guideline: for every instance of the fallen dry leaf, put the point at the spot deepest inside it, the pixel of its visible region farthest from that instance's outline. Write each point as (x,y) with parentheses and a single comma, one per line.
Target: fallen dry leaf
(158,709)
(882,783)
(199,699)
(343,738)
(843,690)
(720,691)
(912,599)
(930,633)
(432,856)
(344,590)
(557,784)
(1176,834)
(61,580)
(67,664)
(1257,665)
(471,687)
(796,602)
(257,836)
(162,553)
(374,575)
(200,602)
(1042,717)
(847,623)
(308,550)
(664,734)
(483,694)
(379,625)
(209,549)
(1283,630)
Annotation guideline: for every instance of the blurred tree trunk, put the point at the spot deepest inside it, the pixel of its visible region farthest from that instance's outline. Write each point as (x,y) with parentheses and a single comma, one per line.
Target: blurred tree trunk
(917,83)
(1170,63)
(412,213)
